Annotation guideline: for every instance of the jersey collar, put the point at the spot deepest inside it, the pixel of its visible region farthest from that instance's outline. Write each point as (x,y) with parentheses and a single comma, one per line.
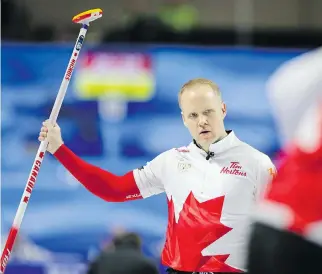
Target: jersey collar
(224,144)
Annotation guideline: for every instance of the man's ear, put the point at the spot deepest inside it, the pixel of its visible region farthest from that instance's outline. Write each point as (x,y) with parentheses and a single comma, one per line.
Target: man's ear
(224,109)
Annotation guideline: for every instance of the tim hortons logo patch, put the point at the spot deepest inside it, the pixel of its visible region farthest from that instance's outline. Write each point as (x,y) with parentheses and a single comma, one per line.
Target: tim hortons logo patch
(234,169)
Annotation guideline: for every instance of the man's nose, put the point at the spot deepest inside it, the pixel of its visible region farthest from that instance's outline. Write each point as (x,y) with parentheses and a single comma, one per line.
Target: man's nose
(203,120)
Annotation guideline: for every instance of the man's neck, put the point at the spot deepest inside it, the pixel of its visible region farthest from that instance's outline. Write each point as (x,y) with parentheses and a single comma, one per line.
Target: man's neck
(206,147)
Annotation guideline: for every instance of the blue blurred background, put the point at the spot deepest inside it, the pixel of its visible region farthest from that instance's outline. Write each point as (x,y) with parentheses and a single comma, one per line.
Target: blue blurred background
(121,111)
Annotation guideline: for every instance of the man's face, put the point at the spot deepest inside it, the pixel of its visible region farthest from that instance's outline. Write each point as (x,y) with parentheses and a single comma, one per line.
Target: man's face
(203,113)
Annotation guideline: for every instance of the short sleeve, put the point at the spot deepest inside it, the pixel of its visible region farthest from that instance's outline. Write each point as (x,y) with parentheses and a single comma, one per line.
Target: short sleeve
(149,178)
(266,173)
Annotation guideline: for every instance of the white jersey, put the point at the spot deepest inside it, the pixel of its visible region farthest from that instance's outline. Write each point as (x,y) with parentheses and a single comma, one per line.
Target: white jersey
(209,202)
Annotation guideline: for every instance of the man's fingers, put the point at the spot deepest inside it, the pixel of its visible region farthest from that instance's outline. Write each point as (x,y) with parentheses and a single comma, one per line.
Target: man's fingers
(43,134)
(49,125)
(46,124)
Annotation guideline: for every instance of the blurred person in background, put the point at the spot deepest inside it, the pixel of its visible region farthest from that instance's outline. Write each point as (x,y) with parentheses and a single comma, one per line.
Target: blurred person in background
(212,184)
(123,256)
(287,234)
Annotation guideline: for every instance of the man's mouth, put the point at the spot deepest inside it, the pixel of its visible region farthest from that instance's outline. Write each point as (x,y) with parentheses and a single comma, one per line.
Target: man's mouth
(204,131)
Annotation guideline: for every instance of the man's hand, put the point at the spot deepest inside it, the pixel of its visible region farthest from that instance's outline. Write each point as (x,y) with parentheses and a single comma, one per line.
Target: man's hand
(52,134)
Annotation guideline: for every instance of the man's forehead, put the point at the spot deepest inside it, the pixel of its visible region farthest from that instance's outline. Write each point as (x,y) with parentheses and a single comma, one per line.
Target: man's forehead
(199,99)
(204,93)
(198,108)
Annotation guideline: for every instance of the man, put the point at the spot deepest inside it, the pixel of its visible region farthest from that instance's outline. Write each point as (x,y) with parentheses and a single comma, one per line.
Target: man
(123,256)
(287,236)
(211,185)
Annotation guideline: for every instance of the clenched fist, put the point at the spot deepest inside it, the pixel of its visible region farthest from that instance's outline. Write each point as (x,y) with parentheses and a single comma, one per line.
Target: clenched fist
(52,134)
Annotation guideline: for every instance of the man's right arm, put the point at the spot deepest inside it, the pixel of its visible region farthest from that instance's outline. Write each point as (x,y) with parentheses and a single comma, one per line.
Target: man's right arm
(102,183)
(136,184)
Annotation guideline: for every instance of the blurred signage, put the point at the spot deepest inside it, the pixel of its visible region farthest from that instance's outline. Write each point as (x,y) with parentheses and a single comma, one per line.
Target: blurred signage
(121,75)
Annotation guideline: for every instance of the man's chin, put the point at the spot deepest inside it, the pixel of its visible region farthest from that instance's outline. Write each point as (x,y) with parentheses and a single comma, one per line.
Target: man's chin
(205,141)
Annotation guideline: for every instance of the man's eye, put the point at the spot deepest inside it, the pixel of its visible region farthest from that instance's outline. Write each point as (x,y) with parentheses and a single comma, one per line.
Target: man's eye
(193,115)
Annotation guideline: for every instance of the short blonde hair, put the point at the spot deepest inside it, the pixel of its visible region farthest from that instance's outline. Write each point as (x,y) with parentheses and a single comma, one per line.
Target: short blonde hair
(196,82)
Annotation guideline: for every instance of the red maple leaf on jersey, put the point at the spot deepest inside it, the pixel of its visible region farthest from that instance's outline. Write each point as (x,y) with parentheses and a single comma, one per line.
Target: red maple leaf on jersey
(198,226)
